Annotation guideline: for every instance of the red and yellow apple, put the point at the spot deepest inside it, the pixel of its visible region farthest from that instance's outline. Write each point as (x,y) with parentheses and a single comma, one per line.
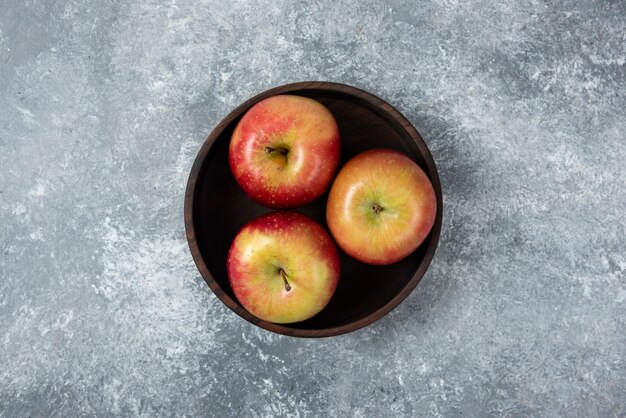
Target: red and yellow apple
(284,152)
(283,267)
(381,207)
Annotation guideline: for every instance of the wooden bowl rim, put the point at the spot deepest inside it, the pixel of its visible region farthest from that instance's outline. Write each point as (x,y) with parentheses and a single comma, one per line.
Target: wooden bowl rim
(381,106)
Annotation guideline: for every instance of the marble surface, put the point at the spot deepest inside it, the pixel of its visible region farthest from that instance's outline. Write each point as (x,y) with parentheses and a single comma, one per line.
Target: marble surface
(104,104)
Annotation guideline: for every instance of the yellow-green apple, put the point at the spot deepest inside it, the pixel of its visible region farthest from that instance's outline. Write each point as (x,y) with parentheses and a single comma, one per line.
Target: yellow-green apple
(381,206)
(284,152)
(283,267)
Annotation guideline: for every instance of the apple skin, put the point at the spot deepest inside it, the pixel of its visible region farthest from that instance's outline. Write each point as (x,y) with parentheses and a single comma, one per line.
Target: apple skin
(381,207)
(284,152)
(303,250)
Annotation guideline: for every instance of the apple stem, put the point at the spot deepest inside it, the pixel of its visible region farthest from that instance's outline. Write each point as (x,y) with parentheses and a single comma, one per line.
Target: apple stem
(284,276)
(377,208)
(281,151)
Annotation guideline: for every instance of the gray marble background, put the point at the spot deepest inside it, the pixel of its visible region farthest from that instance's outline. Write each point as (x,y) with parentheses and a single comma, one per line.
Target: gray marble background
(104,104)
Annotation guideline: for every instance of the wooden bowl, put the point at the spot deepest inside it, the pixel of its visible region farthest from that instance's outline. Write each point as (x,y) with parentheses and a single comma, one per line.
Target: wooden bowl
(216,208)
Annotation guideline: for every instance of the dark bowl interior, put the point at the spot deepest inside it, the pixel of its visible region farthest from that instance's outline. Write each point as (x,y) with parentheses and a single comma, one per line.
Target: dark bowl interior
(216,208)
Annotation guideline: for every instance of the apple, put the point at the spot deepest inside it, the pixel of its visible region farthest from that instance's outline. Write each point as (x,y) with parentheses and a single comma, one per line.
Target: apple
(283,267)
(284,152)
(381,206)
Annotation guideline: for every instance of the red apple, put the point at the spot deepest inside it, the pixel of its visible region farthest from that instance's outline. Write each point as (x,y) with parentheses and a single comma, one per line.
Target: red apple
(381,207)
(284,151)
(283,267)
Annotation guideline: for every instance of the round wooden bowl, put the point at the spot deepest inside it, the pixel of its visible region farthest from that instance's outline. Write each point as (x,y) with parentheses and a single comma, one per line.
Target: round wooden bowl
(216,208)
